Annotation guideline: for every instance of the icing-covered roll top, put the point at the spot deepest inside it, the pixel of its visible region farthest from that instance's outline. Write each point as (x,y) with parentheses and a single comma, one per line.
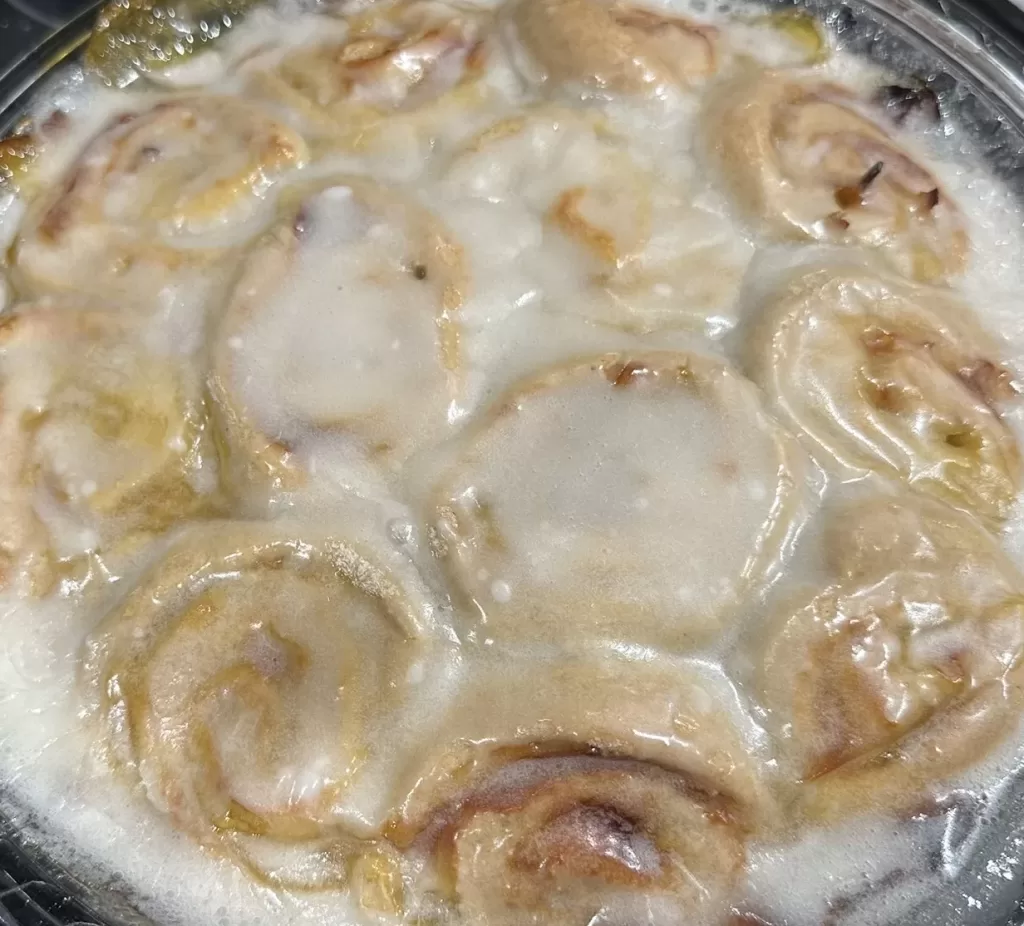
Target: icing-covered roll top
(889,378)
(103,440)
(805,159)
(586,790)
(664,500)
(907,670)
(131,215)
(614,48)
(246,682)
(402,62)
(341,335)
(602,233)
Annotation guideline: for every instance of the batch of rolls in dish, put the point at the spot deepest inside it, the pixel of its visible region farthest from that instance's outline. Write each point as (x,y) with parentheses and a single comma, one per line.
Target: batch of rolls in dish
(489,708)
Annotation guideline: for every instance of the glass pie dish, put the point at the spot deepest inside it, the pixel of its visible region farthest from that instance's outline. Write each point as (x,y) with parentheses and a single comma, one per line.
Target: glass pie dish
(971,58)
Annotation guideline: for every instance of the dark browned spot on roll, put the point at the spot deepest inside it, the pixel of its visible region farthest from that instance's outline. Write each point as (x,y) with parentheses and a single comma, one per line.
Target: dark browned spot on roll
(988,381)
(9,325)
(57,218)
(476,58)
(591,841)
(885,396)
(568,215)
(55,123)
(279,147)
(963,438)
(930,200)
(419,271)
(850,197)
(621,374)
(727,469)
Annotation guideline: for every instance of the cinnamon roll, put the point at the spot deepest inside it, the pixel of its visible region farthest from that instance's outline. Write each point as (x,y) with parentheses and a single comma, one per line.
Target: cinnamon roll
(612,239)
(244,681)
(614,48)
(343,327)
(154,200)
(905,672)
(583,792)
(809,160)
(890,378)
(558,545)
(407,62)
(103,439)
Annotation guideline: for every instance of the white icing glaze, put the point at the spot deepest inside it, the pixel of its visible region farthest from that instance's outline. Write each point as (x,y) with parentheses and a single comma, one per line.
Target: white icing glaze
(648,258)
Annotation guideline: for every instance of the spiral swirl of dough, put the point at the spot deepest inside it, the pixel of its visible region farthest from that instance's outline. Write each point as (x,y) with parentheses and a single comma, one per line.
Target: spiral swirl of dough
(806,160)
(588,789)
(244,681)
(410,64)
(906,671)
(617,240)
(103,439)
(890,378)
(123,222)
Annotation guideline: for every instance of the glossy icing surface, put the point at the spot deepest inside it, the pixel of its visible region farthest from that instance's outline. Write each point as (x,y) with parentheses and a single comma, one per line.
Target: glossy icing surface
(551,462)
